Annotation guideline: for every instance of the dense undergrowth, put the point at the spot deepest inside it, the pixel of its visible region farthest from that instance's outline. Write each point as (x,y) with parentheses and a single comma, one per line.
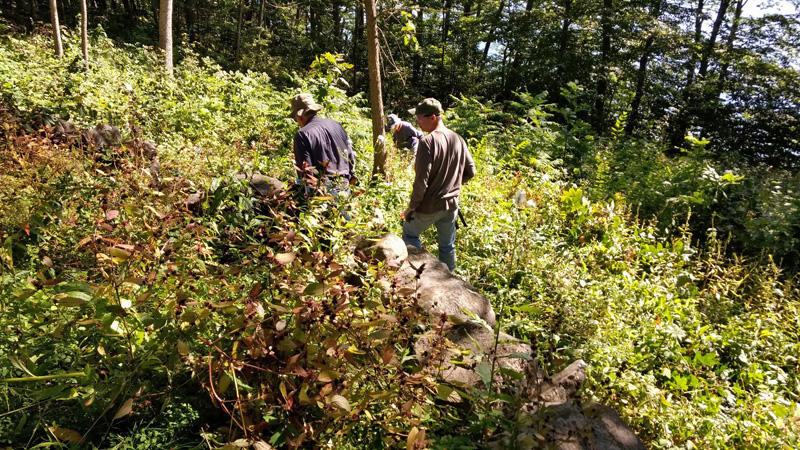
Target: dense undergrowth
(129,322)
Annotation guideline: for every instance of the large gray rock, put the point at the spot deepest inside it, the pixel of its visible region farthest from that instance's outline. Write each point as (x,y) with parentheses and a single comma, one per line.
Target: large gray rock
(439,292)
(388,248)
(456,355)
(561,387)
(554,417)
(264,185)
(103,136)
(194,201)
(65,128)
(569,426)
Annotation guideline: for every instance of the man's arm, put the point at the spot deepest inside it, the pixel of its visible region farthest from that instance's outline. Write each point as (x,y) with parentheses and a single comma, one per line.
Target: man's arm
(302,154)
(422,167)
(469,166)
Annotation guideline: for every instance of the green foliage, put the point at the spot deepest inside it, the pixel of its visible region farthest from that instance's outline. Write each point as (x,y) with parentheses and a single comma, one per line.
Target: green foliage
(129,322)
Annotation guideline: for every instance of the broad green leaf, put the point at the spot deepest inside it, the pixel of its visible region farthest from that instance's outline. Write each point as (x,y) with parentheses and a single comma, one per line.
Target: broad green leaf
(25,293)
(378,335)
(313,289)
(183,349)
(447,393)
(65,434)
(119,255)
(74,298)
(326,376)
(485,372)
(224,382)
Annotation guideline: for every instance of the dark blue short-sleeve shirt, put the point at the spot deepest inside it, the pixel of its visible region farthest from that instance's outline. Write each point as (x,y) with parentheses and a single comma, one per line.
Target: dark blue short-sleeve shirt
(324,144)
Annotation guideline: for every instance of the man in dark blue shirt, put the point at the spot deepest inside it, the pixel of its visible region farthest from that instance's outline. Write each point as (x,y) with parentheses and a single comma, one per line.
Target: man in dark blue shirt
(405,135)
(321,146)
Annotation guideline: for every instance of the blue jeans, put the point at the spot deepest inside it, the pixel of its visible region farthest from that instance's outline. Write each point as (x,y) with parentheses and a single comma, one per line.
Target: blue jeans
(338,188)
(445,222)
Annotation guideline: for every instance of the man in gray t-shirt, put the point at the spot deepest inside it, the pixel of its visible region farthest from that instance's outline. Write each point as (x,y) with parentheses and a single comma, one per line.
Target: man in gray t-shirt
(442,164)
(405,135)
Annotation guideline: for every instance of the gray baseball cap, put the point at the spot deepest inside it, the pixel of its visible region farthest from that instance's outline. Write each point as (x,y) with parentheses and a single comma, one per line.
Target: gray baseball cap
(391,120)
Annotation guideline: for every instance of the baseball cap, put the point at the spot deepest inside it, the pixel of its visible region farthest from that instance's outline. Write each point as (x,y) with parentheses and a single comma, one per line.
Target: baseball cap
(426,107)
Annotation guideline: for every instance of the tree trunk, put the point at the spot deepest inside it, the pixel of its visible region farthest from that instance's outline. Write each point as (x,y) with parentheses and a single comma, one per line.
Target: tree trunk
(698,36)
(492,27)
(446,21)
(337,26)
(416,71)
(85,32)
(191,19)
(723,72)
(641,76)
(313,25)
(261,13)
(712,40)
(56,29)
(34,13)
(375,95)
(357,33)
(677,127)
(602,78)
(238,51)
(555,90)
(165,33)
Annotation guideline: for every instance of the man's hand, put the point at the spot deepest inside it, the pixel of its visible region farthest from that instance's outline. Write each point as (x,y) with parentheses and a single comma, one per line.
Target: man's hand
(406,215)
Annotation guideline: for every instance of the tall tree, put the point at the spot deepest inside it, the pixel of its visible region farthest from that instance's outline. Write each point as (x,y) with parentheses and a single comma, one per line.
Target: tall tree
(603,72)
(563,43)
(358,33)
(190,10)
(493,22)
(695,83)
(165,33)
(641,72)
(712,40)
(56,29)
(678,124)
(730,48)
(84,32)
(375,95)
(237,54)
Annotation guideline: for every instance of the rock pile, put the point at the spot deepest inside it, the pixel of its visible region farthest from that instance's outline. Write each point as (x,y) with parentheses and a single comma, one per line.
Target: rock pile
(552,415)
(105,138)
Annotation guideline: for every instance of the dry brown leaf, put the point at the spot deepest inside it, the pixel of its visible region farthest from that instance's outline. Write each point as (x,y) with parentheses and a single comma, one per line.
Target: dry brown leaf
(125,409)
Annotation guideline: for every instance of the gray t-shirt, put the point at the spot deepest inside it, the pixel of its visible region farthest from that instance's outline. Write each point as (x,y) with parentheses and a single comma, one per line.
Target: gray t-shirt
(442,164)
